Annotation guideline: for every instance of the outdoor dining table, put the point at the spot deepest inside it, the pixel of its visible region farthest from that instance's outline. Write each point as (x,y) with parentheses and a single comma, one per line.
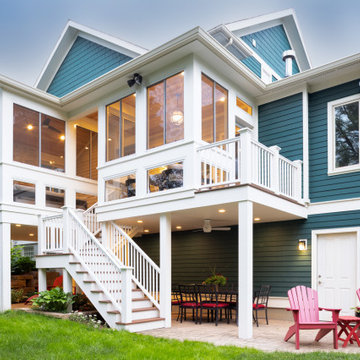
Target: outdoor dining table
(349,325)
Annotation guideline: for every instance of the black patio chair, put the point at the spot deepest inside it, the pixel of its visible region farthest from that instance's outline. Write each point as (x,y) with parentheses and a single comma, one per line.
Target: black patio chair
(188,300)
(175,299)
(261,303)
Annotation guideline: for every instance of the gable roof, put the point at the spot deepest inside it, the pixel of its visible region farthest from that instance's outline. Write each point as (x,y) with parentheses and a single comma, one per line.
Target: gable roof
(73,35)
(287,19)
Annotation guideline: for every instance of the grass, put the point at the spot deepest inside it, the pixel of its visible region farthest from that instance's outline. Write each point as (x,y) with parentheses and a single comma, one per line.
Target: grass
(31,336)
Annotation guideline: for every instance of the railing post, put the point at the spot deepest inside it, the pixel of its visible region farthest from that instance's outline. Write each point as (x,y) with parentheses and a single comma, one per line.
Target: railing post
(298,180)
(41,241)
(275,178)
(126,295)
(245,156)
(66,229)
(80,215)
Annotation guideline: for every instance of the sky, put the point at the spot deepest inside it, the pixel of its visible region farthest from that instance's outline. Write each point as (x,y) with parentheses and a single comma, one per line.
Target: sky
(29,29)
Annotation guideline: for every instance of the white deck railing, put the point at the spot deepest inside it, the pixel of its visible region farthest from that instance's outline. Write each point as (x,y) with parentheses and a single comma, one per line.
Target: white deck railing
(146,274)
(90,219)
(243,160)
(51,234)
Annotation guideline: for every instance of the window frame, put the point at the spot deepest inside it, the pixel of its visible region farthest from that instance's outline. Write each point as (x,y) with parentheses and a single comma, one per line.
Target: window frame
(120,128)
(163,81)
(117,176)
(331,143)
(214,109)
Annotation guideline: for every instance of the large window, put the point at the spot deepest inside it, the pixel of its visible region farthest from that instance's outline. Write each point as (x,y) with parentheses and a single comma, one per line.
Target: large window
(345,135)
(120,188)
(214,105)
(38,139)
(166,177)
(24,192)
(86,153)
(165,111)
(84,201)
(54,197)
(120,128)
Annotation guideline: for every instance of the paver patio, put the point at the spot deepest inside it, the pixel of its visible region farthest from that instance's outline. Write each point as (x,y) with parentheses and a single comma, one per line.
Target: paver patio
(266,337)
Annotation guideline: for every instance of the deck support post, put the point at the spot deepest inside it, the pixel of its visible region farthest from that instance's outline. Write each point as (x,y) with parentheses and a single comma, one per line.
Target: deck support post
(5,267)
(245,268)
(67,285)
(42,285)
(165,268)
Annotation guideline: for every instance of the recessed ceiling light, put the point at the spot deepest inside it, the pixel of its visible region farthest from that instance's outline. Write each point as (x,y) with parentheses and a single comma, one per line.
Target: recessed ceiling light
(179,227)
(29,127)
(109,139)
(257,219)
(18,225)
(139,221)
(62,137)
(31,234)
(75,125)
(146,230)
(221,211)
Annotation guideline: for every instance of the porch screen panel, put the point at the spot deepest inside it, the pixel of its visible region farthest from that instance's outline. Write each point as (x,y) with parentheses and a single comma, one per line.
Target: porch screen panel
(26,135)
(113,131)
(52,143)
(93,155)
(156,115)
(128,125)
(82,152)
(207,108)
(175,108)
(221,112)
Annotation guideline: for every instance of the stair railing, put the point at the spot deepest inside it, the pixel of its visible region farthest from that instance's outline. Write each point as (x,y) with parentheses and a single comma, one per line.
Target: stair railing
(90,220)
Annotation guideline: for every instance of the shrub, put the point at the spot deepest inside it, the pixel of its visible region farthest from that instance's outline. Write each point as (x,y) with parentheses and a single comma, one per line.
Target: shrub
(90,320)
(23,265)
(17,296)
(55,300)
(82,303)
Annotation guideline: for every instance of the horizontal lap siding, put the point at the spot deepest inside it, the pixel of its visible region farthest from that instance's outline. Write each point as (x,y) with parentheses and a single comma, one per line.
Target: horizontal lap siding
(322,186)
(281,123)
(270,45)
(84,62)
(277,260)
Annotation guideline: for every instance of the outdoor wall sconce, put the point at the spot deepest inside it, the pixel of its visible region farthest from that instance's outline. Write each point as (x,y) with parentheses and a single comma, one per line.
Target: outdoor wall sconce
(136,79)
(302,244)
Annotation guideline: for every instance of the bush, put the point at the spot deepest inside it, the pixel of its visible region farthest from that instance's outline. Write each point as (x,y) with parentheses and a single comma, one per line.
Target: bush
(20,264)
(55,300)
(90,320)
(17,296)
(82,303)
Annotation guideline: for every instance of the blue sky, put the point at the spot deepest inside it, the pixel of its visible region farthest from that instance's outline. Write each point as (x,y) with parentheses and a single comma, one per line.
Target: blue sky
(29,29)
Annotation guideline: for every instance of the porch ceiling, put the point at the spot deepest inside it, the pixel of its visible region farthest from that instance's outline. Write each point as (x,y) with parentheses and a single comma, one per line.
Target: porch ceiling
(193,218)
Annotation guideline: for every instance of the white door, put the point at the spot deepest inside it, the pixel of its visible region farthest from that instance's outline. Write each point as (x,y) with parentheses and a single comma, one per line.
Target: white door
(336,272)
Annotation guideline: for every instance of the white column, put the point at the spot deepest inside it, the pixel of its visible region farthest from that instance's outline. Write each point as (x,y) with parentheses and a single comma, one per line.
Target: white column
(165,268)
(126,296)
(5,267)
(245,156)
(67,285)
(275,180)
(42,285)
(245,268)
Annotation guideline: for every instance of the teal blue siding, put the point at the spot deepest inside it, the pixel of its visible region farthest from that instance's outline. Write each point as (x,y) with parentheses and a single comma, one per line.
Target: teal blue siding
(270,45)
(253,65)
(281,123)
(277,260)
(84,62)
(322,186)
(273,79)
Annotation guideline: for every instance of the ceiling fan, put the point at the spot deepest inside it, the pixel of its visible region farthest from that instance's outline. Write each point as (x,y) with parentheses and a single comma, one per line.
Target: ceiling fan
(46,124)
(207,228)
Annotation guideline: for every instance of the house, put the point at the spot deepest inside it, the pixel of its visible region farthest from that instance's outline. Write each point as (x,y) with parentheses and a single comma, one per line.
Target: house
(119,155)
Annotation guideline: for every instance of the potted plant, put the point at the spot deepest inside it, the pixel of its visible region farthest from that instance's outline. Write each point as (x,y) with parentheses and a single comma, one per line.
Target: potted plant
(216,279)
(357,311)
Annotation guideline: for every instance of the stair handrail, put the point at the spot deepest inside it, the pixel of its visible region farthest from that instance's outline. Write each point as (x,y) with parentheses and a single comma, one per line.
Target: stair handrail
(73,237)
(135,257)
(90,219)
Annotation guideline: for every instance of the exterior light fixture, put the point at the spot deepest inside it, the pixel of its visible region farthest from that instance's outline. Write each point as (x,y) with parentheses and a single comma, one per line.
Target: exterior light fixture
(62,137)
(18,225)
(302,244)
(31,234)
(179,227)
(257,219)
(109,139)
(29,127)
(136,79)
(139,221)
(222,211)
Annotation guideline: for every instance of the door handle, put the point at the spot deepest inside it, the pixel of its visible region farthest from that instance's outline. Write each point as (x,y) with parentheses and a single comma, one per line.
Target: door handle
(320,282)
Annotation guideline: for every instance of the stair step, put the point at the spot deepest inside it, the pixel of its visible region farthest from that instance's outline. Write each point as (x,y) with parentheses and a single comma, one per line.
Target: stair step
(113,312)
(89,281)
(81,271)
(74,262)
(105,301)
(141,321)
(144,309)
(96,291)
(139,299)
(136,290)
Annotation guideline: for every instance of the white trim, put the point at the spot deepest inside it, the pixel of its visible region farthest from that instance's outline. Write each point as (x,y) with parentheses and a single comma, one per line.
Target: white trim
(314,251)
(332,169)
(278,302)
(305,109)
(326,207)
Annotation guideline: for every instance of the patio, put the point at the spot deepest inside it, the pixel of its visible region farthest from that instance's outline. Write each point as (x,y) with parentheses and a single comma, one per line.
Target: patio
(266,337)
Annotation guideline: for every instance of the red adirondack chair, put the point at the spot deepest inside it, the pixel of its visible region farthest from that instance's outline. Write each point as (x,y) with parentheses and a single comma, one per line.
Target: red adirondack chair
(305,309)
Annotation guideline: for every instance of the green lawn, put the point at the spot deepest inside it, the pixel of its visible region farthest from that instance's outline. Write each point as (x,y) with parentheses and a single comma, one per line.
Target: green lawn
(30,336)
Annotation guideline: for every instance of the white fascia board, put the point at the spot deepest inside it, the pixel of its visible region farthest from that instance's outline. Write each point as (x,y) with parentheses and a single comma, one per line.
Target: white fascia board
(288,19)
(334,206)
(66,40)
